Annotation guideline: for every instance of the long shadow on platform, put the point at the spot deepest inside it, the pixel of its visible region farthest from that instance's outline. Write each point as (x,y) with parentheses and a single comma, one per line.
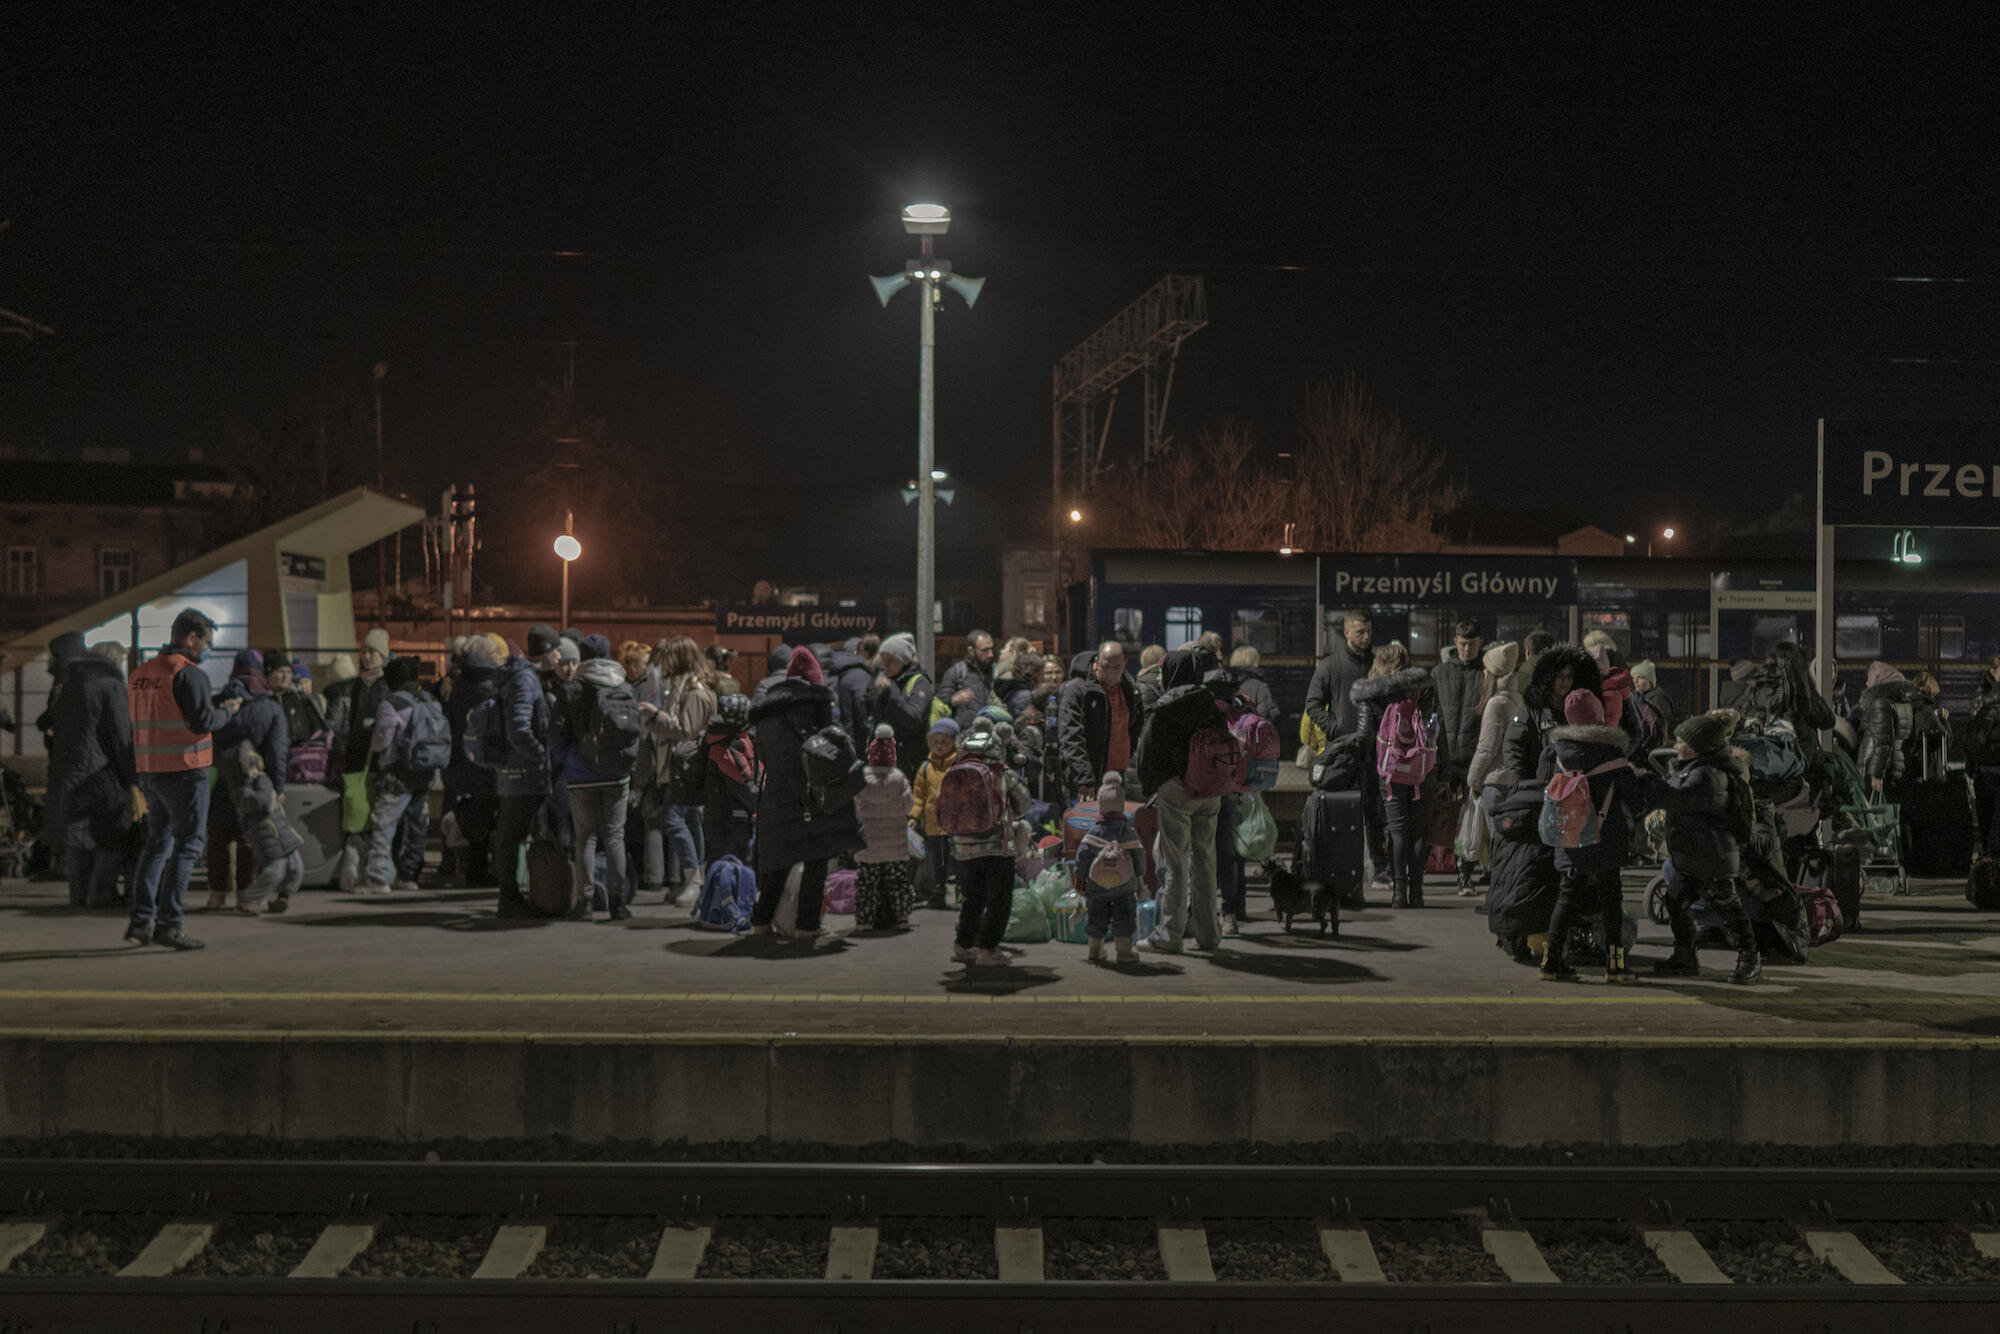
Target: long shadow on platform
(32,956)
(1310,940)
(756,947)
(1004,981)
(1315,968)
(418,917)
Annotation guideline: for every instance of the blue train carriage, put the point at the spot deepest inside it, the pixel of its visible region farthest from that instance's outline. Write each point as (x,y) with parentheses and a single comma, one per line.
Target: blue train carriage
(1171,597)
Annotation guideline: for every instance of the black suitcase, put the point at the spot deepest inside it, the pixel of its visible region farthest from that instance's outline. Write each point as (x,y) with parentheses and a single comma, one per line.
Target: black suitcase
(1837,869)
(1982,887)
(1330,857)
(1937,826)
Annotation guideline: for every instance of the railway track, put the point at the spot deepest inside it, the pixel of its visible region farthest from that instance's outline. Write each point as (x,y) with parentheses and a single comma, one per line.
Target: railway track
(241,1246)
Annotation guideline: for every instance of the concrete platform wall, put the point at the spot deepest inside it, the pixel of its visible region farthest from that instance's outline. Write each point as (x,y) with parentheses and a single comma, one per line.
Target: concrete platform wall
(1000,1090)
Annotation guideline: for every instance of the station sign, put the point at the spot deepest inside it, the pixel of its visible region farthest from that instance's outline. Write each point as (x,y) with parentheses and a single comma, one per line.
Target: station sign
(1447,582)
(1739,591)
(801,625)
(306,573)
(1910,474)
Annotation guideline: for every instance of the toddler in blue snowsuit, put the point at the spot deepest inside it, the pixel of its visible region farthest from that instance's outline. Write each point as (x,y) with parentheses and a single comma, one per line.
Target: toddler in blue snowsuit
(1109,862)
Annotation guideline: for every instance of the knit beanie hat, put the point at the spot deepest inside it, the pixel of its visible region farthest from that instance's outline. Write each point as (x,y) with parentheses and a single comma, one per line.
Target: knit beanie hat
(1704,732)
(342,667)
(479,651)
(401,672)
(569,650)
(903,648)
(882,750)
(274,658)
(377,639)
(300,671)
(1501,659)
(541,639)
(1111,796)
(944,727)
(804,667)
(1582,708)
(595,646)
(1644,667)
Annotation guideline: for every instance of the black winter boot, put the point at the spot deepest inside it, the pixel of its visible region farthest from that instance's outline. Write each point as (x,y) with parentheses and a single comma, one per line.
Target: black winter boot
(1743,939)
(1399,897)
(1682,962)
(1749,966)
(1554,969)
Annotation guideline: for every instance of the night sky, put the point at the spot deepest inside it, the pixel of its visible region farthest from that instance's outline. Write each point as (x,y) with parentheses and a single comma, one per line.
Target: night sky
(1616,263)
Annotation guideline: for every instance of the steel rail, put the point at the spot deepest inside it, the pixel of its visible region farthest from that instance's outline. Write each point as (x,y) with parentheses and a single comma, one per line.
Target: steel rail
(1654,1194)
(361,1306)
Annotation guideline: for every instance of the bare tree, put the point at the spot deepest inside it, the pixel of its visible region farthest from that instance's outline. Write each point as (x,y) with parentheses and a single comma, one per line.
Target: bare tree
(1362,481)
(1367,482)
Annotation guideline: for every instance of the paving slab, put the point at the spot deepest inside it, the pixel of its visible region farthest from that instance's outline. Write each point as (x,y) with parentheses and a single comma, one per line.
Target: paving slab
(429,962)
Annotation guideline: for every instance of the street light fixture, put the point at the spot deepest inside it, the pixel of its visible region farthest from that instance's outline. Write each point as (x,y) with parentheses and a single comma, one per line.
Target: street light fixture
(569,549)
(1076,516)
(931,276)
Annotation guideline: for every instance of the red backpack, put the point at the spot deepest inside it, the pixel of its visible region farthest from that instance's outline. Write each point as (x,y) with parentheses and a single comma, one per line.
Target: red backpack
(1214,761)
(969,800)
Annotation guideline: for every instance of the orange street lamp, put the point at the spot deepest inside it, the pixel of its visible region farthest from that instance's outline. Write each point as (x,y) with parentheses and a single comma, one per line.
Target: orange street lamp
(569,549)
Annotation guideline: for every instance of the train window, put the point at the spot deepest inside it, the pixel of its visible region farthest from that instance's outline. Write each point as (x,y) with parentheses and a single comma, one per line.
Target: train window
(1258,628)
(1430,632)
(1514,629)
(1857,637)
(1128,627)
(1766,631)
(1034,603)
(1614,623)
(1183,626)
(1941,638)
(1687,635)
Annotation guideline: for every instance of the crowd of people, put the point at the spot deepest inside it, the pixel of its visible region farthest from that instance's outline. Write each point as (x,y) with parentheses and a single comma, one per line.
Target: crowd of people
(579,776)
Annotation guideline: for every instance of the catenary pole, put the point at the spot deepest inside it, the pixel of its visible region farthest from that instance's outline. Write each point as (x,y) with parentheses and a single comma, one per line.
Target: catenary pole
(926,627)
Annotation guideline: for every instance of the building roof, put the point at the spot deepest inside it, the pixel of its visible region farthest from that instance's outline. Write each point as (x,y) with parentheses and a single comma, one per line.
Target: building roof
(40,482)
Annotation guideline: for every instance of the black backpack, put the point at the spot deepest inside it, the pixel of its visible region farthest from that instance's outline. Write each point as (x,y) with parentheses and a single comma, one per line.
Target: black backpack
(835,775)
(687,780)
(609,730)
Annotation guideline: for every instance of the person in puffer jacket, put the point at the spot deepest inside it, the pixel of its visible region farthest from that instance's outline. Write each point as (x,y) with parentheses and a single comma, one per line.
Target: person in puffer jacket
(1889,708)
(1403,810)
(1190,894)
(260,720)
(1590,874)
(1555,673)
(884,890)
(1701,845)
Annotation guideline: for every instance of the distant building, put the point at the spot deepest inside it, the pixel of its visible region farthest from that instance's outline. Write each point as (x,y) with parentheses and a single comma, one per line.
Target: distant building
(73,532)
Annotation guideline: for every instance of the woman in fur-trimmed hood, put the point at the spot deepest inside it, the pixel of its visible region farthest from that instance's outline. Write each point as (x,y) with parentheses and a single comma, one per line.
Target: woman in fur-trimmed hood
(1557,672)
(1586,744)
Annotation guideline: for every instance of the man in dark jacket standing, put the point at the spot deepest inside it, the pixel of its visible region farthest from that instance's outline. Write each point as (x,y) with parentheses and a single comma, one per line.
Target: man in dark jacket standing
(91,778)
(261,721)
(522,779)
(470,795)
(967,684)
(1186,842)
(1098,724)
(1457,683)
(174,720)
(64,649)
(1329,701)
(902,698)
(848,676)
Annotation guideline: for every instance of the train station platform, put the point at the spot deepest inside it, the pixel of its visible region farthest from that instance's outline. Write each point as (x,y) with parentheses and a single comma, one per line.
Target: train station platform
(421,1015)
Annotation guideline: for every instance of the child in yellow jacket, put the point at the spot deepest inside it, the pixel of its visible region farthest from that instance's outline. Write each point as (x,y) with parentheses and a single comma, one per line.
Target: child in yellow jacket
(923,804)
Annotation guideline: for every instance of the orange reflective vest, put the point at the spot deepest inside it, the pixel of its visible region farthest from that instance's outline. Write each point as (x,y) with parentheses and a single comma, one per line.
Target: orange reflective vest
(161,741)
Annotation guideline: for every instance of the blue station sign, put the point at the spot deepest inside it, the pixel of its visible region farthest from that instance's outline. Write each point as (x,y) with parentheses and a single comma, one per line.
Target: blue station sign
(1911,474)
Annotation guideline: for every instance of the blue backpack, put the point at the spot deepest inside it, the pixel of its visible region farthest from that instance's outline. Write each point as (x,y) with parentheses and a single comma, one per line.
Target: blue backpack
(728,893)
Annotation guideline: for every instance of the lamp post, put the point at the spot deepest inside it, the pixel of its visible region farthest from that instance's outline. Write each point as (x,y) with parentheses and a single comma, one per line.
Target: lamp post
(569,549)
(930,276)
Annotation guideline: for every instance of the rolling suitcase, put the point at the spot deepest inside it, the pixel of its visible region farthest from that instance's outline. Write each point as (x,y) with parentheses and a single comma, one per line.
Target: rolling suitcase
(551,880)
(1330,856)
(314,810)
(1982,887)
(1937,825)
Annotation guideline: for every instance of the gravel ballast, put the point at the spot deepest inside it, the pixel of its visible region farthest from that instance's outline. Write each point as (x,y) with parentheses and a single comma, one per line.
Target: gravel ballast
(1592,1252)
(1101,1249)
(1274,1251)
(1762,1253)
(766,1248)
(1939,1253)
(426,1247)
(256,1246)
(88,1246)
(598,1247)
(936,1248)
(1431,1251)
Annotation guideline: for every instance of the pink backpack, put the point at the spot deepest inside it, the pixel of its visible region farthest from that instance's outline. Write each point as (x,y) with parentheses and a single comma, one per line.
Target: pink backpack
(969,800)
(1569,818)
(1259,739)
(1404,751)
(1214,759)
(311,760)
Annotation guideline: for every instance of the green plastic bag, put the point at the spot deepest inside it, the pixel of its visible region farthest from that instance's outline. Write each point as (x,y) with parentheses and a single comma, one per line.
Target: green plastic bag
(1027,918)
(355,802)
(1256,831)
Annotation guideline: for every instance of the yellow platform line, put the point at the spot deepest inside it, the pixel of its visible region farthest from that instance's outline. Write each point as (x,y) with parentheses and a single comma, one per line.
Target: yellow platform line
(1569,997)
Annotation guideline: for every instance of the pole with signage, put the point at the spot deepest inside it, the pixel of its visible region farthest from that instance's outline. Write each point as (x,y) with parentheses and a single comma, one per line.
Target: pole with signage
(1822,663)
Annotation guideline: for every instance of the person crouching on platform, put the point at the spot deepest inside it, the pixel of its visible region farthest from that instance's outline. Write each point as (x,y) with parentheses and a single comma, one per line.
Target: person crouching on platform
(1109,862)
(260,810)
